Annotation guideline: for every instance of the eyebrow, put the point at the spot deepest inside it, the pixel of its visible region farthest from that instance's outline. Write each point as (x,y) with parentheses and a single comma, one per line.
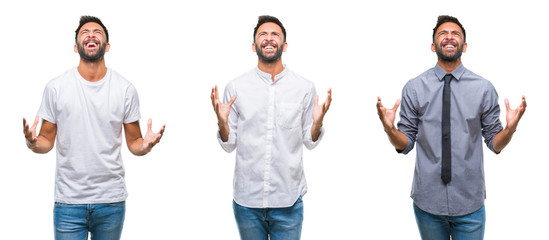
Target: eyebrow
(94,30)
(273,32)
(446,31)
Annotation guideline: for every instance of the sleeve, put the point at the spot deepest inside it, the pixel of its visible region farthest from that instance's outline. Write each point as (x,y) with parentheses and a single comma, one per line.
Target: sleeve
(307,121)
(131,105)
(230,144)
(490,123)
(408,123)
(47,107)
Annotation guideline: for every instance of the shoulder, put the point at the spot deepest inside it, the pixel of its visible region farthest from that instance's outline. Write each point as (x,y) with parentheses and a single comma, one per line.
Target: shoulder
(300,79)
(118,79)
(477,80)
(62,82)
(422,79)
(243,78)
(63,79)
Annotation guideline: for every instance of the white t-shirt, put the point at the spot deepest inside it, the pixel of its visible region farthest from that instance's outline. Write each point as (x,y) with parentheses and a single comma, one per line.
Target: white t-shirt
(89,118)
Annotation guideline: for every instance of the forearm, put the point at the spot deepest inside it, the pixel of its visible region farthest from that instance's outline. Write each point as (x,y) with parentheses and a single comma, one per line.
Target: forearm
(41,145)
(397,138)
(502,139)
(136,147)
(223,131)
(315,131)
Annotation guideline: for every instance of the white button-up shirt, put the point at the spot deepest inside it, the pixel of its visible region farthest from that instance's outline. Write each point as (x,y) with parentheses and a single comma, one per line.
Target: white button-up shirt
(269,122)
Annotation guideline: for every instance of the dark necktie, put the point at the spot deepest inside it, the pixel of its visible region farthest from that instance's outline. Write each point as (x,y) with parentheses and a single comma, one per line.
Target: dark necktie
(446,134)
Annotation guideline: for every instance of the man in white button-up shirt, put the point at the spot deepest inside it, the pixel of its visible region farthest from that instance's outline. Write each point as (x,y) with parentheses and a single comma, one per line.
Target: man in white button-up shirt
(266,115)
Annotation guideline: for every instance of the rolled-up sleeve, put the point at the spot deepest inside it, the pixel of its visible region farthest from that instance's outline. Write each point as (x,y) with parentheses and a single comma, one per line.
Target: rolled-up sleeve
(230,144)
(408,123)
(307,121)
(491,125)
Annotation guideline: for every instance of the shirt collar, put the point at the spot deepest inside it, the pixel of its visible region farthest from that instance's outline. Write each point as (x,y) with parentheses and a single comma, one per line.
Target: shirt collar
(457,73)
(268,78)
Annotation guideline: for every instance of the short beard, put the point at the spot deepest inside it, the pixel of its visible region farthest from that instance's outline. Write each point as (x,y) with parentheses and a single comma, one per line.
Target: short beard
(452,58)
(91,58)
(266,59)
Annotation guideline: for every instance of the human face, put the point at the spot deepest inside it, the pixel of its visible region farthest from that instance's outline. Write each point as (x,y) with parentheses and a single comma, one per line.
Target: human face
(91,44)
(449,43)
(269,43)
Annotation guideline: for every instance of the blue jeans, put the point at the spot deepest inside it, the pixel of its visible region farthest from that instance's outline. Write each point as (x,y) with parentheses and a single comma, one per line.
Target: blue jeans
(278,223)
(437,227)
(74,221)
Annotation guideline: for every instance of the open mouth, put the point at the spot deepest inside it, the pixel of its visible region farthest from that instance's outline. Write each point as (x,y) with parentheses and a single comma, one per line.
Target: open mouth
(91,44)
(269,46)
(449,45)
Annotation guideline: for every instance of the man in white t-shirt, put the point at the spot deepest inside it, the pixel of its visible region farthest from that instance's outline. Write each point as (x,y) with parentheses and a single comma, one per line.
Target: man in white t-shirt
(85,109)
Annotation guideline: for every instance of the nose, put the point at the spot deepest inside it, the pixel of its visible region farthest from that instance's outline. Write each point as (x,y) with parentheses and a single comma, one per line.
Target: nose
(92,35)
(449,36)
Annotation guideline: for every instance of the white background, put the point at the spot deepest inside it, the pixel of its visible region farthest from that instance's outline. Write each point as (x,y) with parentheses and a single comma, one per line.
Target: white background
(358,185)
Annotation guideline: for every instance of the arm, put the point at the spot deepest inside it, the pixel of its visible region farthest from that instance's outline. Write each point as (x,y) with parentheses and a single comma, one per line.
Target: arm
(513,117)
(44,142)
(387,117)
(138,145)
(319,111)
(222,111)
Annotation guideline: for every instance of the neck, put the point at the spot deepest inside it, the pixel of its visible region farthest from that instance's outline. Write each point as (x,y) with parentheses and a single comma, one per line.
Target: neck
(449,66)
(271,68)
(92,71)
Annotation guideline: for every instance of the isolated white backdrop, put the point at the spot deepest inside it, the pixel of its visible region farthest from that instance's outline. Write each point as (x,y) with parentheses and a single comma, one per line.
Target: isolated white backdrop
(174,52)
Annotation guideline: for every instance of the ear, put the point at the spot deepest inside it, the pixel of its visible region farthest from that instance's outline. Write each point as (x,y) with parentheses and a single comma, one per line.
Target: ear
(253,47)
(75,48)
(433,48)
(107,47)
(284,46)
(464,47)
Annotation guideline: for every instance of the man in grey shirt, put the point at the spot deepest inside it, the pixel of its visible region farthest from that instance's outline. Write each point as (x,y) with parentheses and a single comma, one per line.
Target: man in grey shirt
(446,110)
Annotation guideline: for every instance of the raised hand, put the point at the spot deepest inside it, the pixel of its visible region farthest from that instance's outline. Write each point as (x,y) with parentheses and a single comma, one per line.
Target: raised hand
(320,110)
(221,110)
(151,138)
(30,132)
(387,115)
(514,115)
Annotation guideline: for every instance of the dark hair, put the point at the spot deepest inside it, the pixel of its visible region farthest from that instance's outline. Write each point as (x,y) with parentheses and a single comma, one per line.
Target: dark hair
(265,19)
(444,19)
(87,19)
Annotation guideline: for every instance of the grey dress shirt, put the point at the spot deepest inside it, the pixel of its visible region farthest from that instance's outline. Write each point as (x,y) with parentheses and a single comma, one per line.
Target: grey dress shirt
(474,113)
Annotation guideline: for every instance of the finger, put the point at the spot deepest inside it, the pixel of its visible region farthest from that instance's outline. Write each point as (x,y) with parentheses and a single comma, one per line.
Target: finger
(507,105)
(216,93)
(327,103)
(396,104)
(379,104)
(230,103)
(316,100)
(149,125)
(523,101)
(36,120)
(329,97)
(24,124)
(161,132)
(212,96)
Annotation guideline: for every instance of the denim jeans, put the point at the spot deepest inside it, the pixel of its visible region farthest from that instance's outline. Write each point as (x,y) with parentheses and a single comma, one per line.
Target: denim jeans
(102,221)
(437,227)
(269,223)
